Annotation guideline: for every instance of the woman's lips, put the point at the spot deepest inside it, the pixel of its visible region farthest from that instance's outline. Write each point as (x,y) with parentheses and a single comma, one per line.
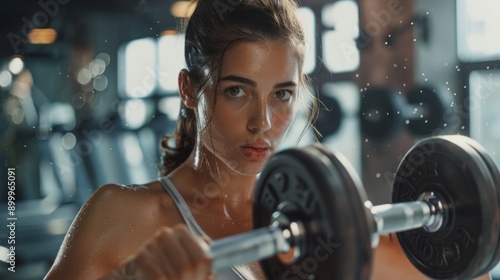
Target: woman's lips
(255,153)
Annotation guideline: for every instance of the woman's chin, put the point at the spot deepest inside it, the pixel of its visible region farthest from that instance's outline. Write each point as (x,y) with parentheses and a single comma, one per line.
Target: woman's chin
(249,168)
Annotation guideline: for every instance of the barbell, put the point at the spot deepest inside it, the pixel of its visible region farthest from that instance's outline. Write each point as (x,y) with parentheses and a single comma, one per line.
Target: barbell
(314,221)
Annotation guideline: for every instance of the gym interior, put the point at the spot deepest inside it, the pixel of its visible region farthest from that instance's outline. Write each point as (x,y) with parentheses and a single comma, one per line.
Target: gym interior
(88,88)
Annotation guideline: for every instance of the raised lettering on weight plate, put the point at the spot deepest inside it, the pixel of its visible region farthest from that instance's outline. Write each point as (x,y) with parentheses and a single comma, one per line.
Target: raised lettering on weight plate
(465,238)
(426,250)
(304,195)
(427,170)
(269,197)
(438,255)
(413,239)
(449,255)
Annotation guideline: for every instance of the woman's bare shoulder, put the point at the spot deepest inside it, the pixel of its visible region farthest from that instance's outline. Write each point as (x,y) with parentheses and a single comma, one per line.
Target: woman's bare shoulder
(123,209)
(112,225)
(110,192)
(121,195)
(147,203)
(116,203)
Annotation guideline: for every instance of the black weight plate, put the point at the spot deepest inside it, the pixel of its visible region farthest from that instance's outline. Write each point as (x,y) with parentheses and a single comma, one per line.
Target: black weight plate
(436,109)
(451,168)
(330,117)
(359,203)
(495,223)
(335,246)
(380,117)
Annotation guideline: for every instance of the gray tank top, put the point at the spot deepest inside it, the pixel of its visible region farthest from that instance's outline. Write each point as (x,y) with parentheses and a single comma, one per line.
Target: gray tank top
(236,272)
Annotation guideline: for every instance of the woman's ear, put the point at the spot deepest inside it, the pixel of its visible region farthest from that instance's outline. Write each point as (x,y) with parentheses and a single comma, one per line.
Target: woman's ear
(186,90)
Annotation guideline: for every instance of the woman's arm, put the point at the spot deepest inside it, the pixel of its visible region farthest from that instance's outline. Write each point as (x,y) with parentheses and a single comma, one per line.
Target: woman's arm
(116,235)
(174,253)
(83,252)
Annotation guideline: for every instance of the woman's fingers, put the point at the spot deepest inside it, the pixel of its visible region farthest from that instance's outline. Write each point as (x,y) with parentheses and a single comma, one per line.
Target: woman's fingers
(177,253)
(174,253)
(197,252)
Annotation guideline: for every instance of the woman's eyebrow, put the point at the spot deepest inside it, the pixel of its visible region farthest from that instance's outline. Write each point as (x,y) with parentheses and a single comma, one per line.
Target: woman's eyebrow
(286,84)
(239,79)
(253,83)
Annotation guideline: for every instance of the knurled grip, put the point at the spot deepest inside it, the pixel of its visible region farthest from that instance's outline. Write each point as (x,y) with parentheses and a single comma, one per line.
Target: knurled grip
(401,216)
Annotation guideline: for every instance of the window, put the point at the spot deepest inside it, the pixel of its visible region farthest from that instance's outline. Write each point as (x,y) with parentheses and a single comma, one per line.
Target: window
(148,65)
(171,61)
(478,34)
(340,52)
(483,107)
(137,66)
(310,31)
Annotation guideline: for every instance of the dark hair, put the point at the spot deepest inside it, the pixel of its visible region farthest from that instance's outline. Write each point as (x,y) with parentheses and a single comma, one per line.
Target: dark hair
(214,27)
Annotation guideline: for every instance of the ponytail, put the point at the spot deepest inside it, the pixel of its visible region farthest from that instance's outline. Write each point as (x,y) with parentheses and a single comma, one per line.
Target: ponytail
(184,138)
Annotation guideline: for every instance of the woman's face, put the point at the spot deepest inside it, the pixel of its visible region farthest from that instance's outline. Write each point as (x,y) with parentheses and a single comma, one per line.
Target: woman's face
(256,102)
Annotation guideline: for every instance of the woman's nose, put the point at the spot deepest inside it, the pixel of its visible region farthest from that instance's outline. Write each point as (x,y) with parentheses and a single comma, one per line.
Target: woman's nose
(260,119)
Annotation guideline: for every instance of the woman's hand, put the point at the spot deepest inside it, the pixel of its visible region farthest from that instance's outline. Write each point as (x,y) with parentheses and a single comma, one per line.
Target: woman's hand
(173,253)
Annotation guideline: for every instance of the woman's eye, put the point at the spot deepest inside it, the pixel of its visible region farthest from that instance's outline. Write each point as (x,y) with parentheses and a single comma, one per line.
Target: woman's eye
(283,95)
(235,92)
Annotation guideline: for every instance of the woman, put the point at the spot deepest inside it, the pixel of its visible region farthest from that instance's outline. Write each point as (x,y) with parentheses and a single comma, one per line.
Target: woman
(239,94)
